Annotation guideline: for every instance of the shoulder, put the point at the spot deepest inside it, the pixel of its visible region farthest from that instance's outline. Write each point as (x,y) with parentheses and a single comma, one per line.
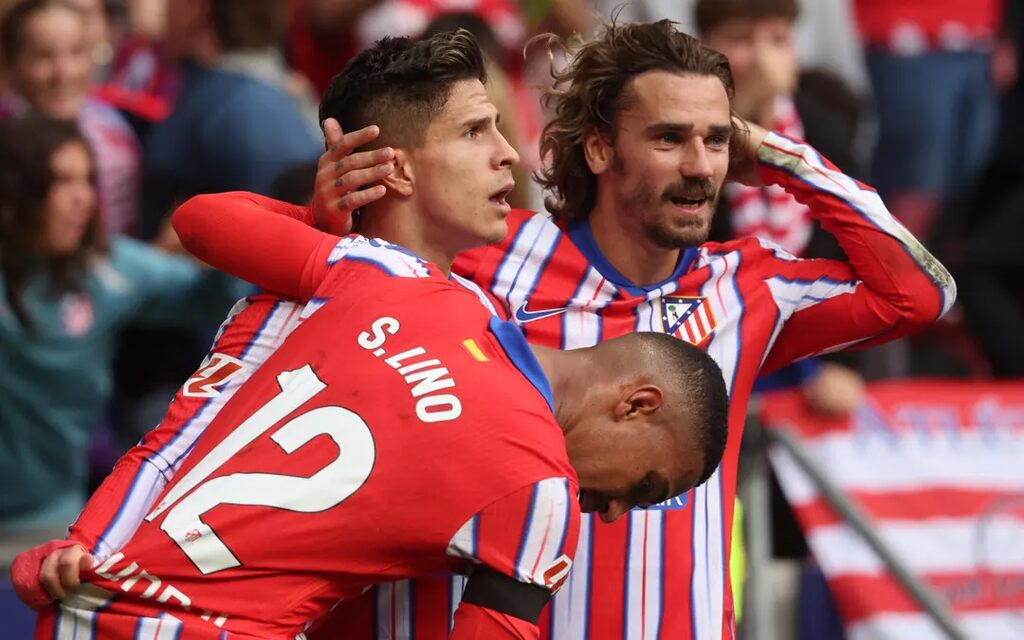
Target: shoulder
(744,250)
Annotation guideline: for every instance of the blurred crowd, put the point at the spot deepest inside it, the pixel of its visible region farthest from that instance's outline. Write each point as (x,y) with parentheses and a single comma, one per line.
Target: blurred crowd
(113,112)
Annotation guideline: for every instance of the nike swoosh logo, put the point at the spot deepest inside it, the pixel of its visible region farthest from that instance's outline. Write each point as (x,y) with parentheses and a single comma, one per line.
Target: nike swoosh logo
(523,316)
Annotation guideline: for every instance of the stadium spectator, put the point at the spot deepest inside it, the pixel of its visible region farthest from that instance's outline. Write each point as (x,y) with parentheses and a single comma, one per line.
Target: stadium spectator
(929,65)
(66,292)
(48,66)
(234,126)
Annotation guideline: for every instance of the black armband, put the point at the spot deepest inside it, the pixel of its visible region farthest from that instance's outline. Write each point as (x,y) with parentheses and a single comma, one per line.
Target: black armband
(493,590)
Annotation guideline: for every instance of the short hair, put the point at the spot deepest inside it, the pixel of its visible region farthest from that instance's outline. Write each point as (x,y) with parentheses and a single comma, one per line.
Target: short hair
(12,27)
(401,85)
(710,14)
(595,90)
(698,384)
(249,24)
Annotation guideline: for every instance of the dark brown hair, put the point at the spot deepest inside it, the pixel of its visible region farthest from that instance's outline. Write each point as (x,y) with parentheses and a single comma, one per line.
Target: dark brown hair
(401,85)
(712,13)
(249,24)
(594,88)
(12,27)
(27,146)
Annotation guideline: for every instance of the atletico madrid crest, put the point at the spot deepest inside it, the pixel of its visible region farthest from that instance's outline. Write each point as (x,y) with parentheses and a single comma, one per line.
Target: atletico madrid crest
(688,318)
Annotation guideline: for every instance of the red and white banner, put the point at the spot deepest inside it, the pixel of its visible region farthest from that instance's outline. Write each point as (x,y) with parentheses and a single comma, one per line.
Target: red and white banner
(939,469)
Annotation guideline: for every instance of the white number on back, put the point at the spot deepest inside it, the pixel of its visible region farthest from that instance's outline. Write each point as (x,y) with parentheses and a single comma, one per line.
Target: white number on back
(326,488)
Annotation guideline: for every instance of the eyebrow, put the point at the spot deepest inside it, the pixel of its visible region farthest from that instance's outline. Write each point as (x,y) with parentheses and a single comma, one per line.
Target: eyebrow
(687,127)
(481,121)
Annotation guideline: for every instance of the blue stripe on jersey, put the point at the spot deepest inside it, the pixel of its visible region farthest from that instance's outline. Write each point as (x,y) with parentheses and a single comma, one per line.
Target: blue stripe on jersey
(174,439)
(252,341)
(862,214)
(518,351)
(583,237)
(525,261)
(526,533)
(475,551)
(560,549)
(504,261)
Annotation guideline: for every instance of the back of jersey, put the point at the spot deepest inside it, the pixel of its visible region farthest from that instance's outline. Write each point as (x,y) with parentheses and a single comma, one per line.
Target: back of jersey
(389,418)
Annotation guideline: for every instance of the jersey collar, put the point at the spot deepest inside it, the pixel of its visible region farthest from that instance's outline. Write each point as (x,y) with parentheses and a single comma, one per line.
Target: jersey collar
(583,237)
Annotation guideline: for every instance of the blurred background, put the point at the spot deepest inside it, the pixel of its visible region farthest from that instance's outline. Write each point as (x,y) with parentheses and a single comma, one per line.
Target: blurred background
(883,490)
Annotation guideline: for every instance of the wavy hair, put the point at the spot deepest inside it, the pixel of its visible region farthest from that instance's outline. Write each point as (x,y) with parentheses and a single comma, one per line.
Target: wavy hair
(591,92)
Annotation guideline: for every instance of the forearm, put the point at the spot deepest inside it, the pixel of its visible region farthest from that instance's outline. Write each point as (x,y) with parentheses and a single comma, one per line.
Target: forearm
(235,232)
(886,258)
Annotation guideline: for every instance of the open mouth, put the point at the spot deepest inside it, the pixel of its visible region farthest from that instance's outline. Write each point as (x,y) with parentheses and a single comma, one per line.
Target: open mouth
(688,203)
(500,197)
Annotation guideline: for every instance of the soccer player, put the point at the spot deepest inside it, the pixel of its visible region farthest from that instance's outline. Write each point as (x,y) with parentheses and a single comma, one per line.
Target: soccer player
(401,430)
(639,149)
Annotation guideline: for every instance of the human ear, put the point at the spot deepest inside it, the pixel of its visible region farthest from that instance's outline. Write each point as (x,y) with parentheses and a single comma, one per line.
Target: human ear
(640,401)
(598,152)
(402,179)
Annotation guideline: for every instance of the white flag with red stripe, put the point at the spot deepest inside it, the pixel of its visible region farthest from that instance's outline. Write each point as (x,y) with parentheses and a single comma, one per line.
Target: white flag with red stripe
(939,469)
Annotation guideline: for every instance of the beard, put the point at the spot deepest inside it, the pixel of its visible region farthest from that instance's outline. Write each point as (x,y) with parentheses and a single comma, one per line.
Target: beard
(665,229)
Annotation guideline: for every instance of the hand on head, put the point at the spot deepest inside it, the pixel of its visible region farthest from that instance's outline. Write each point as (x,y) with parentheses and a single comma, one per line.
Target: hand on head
(344,176)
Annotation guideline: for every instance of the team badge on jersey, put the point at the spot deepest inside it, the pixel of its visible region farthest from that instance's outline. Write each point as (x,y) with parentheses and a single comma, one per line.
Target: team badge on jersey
(689,318)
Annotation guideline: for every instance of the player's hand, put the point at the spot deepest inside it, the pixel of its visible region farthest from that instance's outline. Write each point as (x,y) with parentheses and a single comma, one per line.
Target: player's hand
(743,163)
(342,174)
(45,572)
(835,391)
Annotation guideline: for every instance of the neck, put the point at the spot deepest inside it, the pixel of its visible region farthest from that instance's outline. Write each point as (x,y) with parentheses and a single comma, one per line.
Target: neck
(562,369)
(627,247)
(395,222)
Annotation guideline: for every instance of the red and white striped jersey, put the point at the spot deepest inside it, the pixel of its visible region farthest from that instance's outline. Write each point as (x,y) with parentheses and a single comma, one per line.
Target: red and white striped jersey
(341,462)
(662,573)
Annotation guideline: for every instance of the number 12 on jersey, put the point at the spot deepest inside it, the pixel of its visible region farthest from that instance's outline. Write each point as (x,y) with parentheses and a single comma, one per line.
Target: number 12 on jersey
(326,488)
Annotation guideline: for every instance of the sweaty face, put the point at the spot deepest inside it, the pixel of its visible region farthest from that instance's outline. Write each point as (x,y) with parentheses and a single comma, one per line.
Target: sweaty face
(623,464)
(671,155)
(71,202)
(52,69)
(463,170)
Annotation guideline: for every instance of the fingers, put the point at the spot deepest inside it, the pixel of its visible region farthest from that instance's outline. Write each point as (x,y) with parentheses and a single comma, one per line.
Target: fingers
(361,198)
(350,141)
(352,180)
(332,133)
(61,570)
(363,160)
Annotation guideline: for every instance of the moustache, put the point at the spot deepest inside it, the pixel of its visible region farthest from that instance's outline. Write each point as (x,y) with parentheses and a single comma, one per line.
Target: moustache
(692,189)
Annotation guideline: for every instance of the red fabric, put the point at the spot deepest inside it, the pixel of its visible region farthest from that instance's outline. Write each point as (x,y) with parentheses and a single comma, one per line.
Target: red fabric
(477,623)
(938,22)
(278,253)
(25,572)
